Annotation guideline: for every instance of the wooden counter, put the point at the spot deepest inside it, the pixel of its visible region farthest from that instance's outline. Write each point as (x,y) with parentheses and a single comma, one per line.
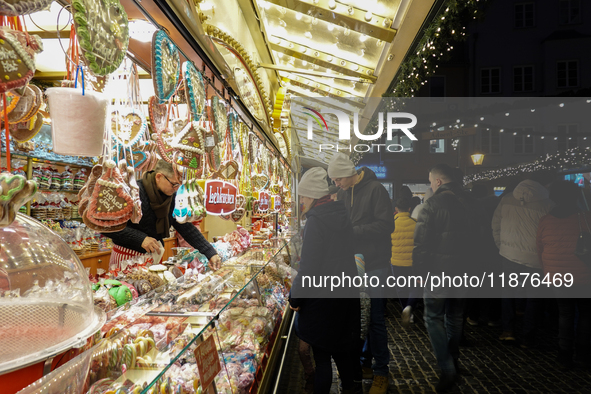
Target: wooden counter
(101,259)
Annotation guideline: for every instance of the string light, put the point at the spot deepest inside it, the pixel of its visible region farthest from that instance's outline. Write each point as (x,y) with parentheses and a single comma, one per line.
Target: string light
(573,158)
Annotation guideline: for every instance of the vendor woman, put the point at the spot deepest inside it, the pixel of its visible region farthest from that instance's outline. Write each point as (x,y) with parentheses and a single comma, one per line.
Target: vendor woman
(157,193)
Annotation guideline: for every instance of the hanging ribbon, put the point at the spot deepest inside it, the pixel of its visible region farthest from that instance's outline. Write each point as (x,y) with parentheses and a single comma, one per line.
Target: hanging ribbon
(7,133)
(79,71)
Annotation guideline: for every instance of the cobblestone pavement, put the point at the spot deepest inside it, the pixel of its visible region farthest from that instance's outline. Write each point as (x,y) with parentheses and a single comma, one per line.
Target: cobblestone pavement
(489,365)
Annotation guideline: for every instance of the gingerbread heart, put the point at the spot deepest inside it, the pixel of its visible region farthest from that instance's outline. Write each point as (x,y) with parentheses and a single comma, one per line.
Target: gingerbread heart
(110,202)
(229,170)
(194,90)
(166,66)
(220,115)
(238,214)
(260,181)
(18,59)
(103,33)
(23,132)
(137,159)
(128,126)
(158,114)
(11,101)
(26,105)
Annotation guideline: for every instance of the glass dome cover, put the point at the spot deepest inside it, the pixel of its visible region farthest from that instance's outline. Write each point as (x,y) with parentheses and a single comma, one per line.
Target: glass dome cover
(46,304)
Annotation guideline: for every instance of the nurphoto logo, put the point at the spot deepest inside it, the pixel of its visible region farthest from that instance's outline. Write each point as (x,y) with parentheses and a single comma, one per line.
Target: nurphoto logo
(344,121)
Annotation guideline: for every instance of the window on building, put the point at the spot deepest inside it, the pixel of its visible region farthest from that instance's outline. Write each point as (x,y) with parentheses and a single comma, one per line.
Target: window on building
(524,15)
(437,146)
(437,88)
(567,73)
(566,136)
(523,79)
(490,141)
(569,12)
(490,80)
(523,140)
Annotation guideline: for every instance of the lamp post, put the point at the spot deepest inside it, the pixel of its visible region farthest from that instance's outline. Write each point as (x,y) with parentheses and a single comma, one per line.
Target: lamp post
(477,158)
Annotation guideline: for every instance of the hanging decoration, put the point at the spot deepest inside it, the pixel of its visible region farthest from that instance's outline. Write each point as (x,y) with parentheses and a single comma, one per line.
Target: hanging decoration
(166,66)
(15,191)
(103,33)
(194,90)
(575,158)
(128,126)
(22,7)
(220,197)
(18,60)
(189,146)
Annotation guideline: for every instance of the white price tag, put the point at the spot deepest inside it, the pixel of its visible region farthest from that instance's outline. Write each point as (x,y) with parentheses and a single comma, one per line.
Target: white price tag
(209,141)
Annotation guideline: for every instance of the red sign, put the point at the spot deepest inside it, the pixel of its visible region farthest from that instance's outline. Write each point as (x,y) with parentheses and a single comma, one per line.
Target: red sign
(264,201)
(208,361)
(277,203)
(220,197)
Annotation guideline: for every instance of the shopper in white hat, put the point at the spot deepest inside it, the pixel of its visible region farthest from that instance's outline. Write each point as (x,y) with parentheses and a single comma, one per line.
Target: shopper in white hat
(328,317)
(370,210)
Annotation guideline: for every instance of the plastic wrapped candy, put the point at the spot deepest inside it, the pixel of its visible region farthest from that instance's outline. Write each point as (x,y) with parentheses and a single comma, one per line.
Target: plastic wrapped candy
(224,250)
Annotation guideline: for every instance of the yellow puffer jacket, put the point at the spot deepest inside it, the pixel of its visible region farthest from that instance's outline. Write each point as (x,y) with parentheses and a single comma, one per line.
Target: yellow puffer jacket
(403,239)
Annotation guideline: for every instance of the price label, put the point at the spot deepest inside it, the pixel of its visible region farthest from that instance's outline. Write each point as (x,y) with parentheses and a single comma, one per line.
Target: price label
(208,361)
(209,141)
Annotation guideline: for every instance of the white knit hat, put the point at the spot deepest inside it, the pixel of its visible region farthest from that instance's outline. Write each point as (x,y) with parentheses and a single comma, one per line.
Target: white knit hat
(341,167)
(313,183)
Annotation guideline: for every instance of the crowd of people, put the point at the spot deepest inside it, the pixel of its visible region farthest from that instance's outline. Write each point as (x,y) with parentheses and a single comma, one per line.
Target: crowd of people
(531,230)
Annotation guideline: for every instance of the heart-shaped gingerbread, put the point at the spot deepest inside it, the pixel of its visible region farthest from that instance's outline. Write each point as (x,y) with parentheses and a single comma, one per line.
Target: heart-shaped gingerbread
(229,170)
(26,105)
(260,181)
(238,214)
(136,159)
(103,33)
(194,90)
(24,131)
(220,115)
(166,65)
(18,59)
(158,114)
(128,126)
(11,101)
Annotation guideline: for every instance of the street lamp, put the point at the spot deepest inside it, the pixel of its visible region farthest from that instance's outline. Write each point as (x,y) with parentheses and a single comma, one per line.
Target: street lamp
(477,158)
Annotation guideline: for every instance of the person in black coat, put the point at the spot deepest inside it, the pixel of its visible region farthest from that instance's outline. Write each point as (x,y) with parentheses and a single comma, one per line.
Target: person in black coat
(328,318)
(157,191)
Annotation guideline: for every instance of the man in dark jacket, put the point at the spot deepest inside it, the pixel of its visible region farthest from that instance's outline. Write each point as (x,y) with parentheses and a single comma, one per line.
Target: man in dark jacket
(157,192)
(443,235)
(370,210)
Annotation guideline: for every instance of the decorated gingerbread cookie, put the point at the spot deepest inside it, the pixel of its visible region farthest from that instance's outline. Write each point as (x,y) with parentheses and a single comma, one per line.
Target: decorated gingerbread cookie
(166,66)
(15,191)
(190,146)
(110,200)
(128,126)
(22,7)
(17,59)
(103,32)
(194,90)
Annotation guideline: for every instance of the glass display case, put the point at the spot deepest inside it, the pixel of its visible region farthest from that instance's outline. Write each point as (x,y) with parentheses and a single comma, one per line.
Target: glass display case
(46,305)
(220,327)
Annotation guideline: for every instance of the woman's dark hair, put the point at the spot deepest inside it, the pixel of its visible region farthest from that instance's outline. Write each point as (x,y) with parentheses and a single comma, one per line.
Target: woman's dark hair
(564,193)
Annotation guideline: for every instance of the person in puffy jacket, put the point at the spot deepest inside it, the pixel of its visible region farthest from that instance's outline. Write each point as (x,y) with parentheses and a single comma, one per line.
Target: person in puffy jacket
(557,237)
(402,246)
(328,319)
(515,225)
